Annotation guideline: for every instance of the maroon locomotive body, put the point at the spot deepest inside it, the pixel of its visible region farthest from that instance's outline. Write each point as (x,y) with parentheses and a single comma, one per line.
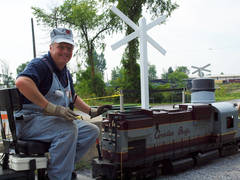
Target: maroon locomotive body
(140,143)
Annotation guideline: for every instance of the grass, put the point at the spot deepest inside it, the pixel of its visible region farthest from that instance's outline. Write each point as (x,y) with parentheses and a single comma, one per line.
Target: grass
(83,165)
(226,92)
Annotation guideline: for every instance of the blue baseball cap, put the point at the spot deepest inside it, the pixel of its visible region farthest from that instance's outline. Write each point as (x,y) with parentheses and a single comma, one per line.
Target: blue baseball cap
(59,35)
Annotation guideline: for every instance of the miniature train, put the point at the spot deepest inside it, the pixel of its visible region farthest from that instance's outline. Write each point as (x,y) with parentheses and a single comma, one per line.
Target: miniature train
(143,144)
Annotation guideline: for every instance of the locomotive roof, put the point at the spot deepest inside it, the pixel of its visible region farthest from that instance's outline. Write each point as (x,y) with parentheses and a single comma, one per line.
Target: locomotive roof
(224,107)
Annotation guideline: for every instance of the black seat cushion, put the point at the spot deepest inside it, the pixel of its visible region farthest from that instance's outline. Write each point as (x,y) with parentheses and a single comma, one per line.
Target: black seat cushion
(32,147)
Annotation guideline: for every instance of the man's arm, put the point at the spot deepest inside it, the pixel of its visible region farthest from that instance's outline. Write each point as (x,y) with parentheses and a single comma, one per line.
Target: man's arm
(29,89)
(239,109)
(93,112)
(81,105)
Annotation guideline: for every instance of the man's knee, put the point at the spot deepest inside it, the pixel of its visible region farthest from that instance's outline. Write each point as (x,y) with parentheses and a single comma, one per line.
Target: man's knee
(70,132)
(95,131)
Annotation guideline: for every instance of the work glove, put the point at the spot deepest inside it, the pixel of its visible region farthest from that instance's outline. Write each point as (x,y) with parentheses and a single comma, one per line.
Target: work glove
(100,110)
(56,110)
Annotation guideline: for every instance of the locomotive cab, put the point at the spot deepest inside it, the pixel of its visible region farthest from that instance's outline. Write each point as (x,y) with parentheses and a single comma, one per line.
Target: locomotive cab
(225,125)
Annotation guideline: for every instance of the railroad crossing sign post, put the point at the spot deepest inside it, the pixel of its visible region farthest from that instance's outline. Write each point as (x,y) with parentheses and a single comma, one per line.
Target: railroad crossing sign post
(141,32)
(200,70)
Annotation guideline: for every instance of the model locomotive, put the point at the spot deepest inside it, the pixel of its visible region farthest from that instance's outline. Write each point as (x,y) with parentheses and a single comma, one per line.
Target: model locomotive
(146,143)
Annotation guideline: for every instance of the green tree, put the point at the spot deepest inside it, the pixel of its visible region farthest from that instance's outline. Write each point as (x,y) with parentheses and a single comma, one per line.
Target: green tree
(183,69)
(133,10)
(6,77)
(7,80)
(88,20)
(85,82)
(177,78)
(118,81)
(115,73)
(170,70)
(117,78)
(99,62)
(152,73)
(165,75)
(21,67)
(131,76)
(160,97)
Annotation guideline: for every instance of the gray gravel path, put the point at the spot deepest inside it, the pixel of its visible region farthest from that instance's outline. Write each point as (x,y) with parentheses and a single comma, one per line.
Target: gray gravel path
(226,168)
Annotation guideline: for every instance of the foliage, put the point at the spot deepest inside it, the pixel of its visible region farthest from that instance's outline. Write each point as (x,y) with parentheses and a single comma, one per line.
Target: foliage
(90,22)
(152,73)
(85,84)
(21,67)
(6,78)
(165,96)
(116,82)
(99,62)
(183,69)
(85,18)
(165,75)
(115,73)
(119,81)
(83,165)
(170,70)
(131,71)
(157,96)
(133,10)
(117,77)
(177,78)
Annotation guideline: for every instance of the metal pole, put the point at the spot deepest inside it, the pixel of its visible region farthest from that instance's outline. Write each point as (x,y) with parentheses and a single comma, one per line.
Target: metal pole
(183,95)
(143,64)
(33,39)
(121,101)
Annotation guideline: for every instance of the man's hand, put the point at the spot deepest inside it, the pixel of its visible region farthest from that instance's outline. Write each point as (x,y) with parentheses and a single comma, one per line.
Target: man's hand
(100,110)
(56,110)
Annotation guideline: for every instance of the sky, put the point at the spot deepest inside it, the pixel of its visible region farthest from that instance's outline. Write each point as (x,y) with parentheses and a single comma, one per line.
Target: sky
(198,33)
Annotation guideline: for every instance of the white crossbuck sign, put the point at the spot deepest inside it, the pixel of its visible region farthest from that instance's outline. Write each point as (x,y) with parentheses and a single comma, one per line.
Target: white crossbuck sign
(141,32)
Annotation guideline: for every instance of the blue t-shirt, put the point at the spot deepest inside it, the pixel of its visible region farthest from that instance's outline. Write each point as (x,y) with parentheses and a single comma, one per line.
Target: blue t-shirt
(40,73)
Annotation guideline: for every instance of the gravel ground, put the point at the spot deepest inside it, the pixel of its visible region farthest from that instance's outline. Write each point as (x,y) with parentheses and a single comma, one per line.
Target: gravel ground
(225,168)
